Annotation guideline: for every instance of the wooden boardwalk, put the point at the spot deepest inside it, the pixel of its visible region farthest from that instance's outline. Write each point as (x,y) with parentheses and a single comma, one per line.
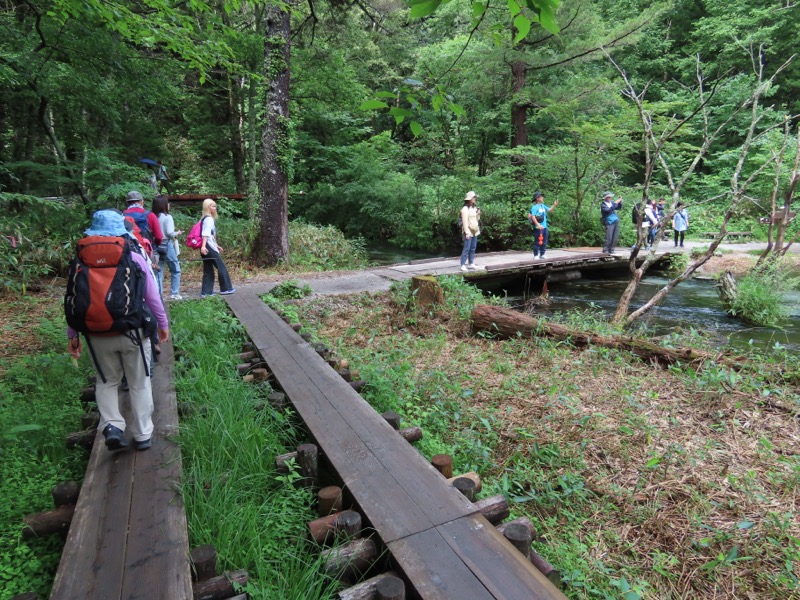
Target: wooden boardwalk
(128,538)
(444,548)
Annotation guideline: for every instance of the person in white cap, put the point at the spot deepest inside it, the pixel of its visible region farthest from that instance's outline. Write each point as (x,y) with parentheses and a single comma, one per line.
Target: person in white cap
(610,219)
(469,220)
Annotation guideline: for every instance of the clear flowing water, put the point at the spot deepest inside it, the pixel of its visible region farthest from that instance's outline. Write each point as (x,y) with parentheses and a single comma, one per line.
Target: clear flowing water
(692,304)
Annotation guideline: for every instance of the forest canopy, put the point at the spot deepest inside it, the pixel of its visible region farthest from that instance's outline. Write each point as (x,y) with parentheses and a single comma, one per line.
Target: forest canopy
(392,110)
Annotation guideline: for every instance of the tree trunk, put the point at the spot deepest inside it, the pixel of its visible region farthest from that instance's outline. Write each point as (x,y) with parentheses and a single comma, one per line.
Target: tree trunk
(727,290)
(47,122)
(507,323)
(519,111)
(271,243)
(236,124)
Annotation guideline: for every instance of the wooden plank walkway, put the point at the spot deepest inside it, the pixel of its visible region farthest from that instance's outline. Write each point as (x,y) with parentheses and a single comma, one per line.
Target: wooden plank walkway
(446,549)
(128,539)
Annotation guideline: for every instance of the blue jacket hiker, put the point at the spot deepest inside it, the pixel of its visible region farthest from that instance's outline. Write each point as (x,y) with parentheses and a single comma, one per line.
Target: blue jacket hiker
(610,220)
(538,218)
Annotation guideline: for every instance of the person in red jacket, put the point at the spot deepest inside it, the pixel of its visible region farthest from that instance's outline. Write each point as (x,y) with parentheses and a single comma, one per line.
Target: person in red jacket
(145,219)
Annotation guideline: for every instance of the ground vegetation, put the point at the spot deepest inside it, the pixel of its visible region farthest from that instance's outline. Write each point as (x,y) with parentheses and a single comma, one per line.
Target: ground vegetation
(643,482)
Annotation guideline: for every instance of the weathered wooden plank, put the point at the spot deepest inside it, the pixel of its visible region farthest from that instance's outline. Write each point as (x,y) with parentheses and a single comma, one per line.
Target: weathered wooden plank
(128,538)
(362,474)
(157,558)
(500,567)
(423,520)
(93,557)
(436,571)
(304,375)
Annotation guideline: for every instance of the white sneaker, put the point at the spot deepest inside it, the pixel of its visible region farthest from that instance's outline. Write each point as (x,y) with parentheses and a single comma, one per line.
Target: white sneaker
(471,266)
(463,267)
(176,297)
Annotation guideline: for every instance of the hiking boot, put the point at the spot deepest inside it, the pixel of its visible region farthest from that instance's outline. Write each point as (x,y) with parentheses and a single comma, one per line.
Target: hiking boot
(144,444)
(115,438)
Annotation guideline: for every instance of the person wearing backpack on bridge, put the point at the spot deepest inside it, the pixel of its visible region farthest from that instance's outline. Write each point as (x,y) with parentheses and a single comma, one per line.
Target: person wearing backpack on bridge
(538,218)
(108,288)
(211,252)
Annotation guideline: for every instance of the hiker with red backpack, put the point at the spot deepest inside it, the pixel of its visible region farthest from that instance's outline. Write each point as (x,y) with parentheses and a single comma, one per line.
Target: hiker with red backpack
(146,221)
(109,292)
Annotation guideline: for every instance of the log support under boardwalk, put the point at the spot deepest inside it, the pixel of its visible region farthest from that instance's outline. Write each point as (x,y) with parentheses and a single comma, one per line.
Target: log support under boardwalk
(221,587)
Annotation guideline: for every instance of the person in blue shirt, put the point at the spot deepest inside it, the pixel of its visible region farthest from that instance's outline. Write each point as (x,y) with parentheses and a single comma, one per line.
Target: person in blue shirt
(538,218)
(680,223)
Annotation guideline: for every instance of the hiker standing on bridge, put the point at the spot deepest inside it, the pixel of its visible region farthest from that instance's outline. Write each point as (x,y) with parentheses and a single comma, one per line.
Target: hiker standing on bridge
(538,219)
(211,252)
(106,280)
(610,220)
(469,220)
(680,223)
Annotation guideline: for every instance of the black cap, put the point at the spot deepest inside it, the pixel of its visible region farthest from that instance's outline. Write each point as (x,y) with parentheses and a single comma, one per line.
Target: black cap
(536,195)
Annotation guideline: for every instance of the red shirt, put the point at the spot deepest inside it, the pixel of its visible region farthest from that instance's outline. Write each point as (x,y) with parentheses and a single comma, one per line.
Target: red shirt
(152,223)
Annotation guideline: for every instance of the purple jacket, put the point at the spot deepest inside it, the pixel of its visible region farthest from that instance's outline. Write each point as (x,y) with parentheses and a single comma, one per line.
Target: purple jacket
(151,297)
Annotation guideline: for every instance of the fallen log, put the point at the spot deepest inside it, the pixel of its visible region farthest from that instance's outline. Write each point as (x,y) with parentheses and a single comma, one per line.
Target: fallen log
(507,323)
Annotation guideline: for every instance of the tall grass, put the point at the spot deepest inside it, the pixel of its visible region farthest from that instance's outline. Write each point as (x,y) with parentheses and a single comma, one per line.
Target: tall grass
(39,405)
(235,499)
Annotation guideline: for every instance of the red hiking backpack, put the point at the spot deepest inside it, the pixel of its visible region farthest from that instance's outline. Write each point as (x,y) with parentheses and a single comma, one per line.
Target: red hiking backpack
(105,287)
(195,237)
(140,218)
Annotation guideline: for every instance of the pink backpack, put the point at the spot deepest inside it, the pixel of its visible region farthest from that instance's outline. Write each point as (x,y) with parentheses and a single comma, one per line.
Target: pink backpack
(195,237)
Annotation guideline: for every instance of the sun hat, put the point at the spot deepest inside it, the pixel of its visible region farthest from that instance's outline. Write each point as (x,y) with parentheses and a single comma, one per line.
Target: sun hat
(607,195)
(470,195)
(536,195)
(134,196)
(107,222)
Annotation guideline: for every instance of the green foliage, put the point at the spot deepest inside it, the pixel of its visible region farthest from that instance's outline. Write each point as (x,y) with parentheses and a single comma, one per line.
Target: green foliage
(322,248)
(676,263)
(759,295)
(291,290)
(39,406)
(36,239)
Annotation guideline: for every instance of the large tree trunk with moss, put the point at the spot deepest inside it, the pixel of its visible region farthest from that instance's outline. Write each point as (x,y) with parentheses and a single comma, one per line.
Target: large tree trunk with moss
(507,323)
(271,243)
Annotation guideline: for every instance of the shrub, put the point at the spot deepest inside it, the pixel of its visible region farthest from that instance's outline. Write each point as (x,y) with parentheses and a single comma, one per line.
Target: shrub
(759,296)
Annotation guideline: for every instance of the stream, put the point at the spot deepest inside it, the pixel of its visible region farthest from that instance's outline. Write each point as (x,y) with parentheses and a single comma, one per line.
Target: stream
(693,304)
